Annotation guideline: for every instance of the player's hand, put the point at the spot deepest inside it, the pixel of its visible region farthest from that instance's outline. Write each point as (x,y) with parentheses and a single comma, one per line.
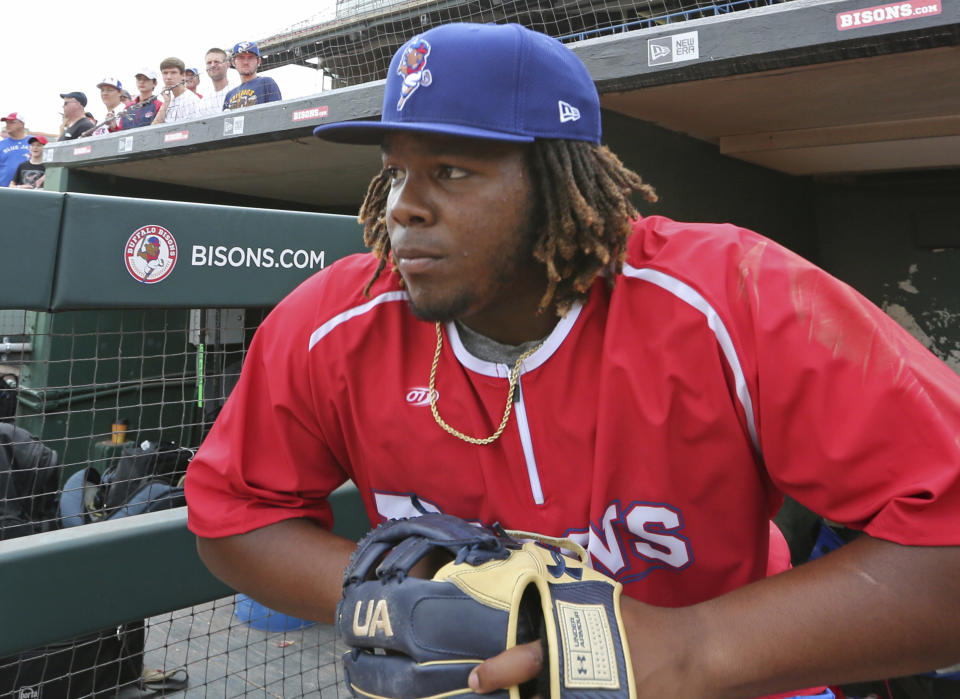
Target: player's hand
(513,666)
(659,648)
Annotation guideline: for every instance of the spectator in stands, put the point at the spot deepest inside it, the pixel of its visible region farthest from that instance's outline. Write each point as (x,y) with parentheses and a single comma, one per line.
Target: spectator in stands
(217,66)
(193,81)
(32,172)
(75,122)
(14,149)
(179,103)
(253,89)
(143,110)
(110,93)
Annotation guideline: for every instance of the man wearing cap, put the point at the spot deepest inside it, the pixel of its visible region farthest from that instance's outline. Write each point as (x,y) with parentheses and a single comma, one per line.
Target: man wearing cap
(14,149)
(110,93)
(143,110)
(217,66)
(179,103)
(75,122)
(193,80)
(253,89)
(522,347)
(31,173)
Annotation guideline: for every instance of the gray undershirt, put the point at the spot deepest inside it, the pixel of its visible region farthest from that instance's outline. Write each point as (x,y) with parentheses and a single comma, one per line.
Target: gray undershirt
(482,347)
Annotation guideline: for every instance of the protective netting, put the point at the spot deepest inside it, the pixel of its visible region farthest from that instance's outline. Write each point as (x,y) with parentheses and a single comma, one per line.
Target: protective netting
(228,649)
(100,412)
(354,44)
(218,649)
(96,406)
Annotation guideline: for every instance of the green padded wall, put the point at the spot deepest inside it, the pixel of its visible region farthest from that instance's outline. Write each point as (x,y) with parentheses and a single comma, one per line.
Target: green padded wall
(29,231)
(206,255)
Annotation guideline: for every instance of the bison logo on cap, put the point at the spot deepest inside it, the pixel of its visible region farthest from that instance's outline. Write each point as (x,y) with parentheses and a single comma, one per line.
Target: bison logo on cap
(413,69)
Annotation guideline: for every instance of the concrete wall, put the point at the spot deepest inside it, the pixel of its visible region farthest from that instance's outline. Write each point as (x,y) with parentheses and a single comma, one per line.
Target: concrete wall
(896,238)
(696,183)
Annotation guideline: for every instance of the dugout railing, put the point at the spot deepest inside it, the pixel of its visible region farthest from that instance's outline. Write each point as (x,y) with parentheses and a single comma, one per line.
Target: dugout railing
(134,317)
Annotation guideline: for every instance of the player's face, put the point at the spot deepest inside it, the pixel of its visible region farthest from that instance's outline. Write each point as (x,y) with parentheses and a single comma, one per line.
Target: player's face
(460,220)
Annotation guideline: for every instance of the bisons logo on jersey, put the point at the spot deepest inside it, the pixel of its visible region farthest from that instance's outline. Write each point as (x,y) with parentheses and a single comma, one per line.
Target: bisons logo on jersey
(413,69)
(150,254)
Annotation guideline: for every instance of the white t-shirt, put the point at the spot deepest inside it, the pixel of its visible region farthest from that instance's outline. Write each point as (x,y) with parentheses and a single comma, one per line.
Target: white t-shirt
(212,103)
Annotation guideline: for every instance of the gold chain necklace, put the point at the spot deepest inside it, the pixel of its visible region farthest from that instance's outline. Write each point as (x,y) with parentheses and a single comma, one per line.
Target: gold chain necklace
(514,379)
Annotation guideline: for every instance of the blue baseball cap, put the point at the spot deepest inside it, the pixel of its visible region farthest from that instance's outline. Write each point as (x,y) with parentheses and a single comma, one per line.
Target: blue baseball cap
(78,96)
(496,81)
(246,47)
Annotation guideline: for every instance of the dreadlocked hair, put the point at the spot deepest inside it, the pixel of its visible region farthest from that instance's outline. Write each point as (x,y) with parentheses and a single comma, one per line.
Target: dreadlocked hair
(583,194)
(373,218)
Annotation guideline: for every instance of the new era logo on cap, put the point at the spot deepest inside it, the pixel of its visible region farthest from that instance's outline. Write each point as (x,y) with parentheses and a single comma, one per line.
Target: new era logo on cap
(568,112)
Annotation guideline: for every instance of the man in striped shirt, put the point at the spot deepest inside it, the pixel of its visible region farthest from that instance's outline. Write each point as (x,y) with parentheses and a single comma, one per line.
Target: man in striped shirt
(179,103)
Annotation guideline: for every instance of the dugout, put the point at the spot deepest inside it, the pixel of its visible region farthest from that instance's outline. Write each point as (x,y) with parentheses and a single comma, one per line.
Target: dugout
(838,137)
(116,336)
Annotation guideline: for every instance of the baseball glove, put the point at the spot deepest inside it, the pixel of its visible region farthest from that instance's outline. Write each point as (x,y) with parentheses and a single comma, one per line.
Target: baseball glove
(413,638)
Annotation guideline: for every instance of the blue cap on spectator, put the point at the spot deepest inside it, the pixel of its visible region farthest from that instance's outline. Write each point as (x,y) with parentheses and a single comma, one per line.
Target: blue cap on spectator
(247,47)
(78,96)
(192,70)
(502,82)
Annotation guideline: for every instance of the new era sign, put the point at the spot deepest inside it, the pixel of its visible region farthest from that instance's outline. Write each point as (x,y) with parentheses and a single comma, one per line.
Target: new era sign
(673,49)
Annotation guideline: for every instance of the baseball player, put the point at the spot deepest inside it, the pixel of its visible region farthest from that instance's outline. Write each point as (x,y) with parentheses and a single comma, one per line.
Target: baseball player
(521,347)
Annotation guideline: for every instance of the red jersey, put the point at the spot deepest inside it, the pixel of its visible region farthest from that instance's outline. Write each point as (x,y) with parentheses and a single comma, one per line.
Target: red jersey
(659,423)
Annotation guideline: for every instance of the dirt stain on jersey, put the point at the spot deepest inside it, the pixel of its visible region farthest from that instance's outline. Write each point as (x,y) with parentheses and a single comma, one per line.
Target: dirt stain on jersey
(838,318)
(749,269)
